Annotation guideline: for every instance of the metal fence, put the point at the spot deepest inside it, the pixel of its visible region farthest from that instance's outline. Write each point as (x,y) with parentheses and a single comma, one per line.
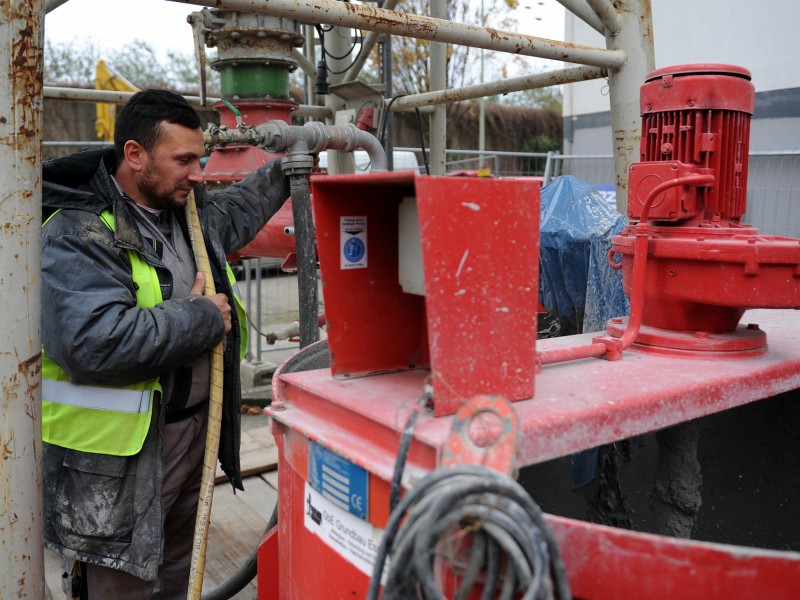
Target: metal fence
(773,206)
(773,184)
(773,193)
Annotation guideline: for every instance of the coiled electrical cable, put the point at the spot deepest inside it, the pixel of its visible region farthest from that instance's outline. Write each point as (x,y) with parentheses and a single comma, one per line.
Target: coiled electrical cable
(483,526)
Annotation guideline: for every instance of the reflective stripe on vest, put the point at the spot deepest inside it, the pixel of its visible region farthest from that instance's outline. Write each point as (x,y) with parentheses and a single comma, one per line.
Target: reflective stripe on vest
(241,312)
(99,419)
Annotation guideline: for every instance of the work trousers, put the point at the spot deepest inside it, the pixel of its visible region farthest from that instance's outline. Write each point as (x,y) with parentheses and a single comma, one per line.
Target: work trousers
(183,446)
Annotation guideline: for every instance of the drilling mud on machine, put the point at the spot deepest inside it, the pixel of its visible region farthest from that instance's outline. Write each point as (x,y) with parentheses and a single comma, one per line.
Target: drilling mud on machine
(413,441)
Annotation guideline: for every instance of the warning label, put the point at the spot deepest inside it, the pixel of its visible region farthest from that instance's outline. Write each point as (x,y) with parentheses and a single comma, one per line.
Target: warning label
(355,540)
(353,242)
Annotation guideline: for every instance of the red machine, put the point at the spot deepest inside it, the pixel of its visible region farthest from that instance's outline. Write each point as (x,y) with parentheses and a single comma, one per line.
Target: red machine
(704,267)
(231,163)
(464,333)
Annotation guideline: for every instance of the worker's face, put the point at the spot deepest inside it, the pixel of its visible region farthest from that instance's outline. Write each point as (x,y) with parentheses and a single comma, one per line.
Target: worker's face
(172,168)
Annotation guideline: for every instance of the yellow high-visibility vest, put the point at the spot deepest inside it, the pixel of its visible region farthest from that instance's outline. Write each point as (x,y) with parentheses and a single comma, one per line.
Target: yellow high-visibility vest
(101,419)
(108,419)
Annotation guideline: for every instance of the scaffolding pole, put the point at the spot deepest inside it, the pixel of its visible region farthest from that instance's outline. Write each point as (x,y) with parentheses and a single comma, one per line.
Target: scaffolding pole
(21,525)
(493,88)
(438,71)
(369,18)
(635,39)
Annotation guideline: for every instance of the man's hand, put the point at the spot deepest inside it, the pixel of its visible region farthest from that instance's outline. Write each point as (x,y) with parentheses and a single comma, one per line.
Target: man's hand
(220,300)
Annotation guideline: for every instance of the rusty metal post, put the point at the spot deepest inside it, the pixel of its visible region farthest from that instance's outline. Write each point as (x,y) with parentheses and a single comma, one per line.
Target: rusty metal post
(635,38)
(21,526)
(438,69)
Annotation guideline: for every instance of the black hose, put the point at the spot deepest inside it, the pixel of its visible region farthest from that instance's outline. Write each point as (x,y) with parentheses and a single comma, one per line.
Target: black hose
(306,259)
(236,582)
(472,510)
(402,452)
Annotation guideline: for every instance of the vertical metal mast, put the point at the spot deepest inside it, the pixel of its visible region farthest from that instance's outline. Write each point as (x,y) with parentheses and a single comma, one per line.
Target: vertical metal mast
(629,27)
(21,527)
(438,71)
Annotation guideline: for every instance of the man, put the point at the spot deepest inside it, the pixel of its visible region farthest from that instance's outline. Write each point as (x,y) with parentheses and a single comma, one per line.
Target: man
(126,336)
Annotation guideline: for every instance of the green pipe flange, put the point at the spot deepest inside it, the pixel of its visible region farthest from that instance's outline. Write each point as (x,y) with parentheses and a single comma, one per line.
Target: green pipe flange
(255,80)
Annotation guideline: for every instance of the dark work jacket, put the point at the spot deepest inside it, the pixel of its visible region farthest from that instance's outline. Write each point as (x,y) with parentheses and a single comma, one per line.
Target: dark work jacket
(93,330)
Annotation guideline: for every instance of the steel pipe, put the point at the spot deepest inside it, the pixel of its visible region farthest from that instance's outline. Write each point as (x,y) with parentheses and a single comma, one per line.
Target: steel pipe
(51,5)
(438,83)
(21,522)
(300,140)
(580,9)
(305,65)
(337,46)
(608,15)
(92,96)
(635,39)
(313,137)
(366,47)
(386,118)
(369,18)
(492,88)
(552,356)
(310,47)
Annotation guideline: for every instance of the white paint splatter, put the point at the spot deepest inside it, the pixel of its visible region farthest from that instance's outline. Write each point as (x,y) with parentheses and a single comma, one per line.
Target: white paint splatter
(461,264)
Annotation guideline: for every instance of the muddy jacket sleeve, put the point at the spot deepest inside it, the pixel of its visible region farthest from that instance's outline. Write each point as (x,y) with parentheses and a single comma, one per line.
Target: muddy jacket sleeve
(240,211)
(91,325)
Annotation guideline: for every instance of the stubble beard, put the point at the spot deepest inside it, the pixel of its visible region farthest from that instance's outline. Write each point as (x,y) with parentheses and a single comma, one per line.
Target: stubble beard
(158,199)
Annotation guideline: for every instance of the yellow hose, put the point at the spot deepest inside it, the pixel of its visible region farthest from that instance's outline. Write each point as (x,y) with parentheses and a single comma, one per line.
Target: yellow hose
(214,417)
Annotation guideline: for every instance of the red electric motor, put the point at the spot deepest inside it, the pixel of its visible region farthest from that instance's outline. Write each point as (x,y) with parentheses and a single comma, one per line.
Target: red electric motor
(704,268)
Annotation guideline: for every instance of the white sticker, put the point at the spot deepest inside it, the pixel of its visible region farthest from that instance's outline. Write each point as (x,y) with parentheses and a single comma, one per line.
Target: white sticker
(352,538)
(353,242)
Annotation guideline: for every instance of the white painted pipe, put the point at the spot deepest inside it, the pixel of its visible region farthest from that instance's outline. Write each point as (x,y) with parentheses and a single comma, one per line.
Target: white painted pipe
(493,88)
(369,18)
(21,522)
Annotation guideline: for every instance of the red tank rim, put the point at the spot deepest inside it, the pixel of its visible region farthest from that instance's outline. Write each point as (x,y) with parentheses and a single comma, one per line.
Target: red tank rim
(701,69)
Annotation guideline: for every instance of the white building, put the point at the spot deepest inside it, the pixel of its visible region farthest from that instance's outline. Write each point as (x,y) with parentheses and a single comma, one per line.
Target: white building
(759,36)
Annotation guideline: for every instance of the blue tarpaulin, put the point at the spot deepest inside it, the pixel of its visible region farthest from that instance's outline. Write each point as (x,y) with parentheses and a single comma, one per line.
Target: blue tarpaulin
(576,281)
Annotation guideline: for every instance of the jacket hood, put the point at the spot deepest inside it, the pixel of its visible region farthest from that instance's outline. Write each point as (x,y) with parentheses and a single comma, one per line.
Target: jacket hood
(71,181)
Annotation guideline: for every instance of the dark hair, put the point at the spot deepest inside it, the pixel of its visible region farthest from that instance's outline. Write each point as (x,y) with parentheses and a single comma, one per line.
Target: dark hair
(141,117)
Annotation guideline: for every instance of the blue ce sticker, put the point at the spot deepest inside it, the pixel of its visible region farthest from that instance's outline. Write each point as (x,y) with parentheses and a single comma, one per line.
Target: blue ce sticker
(339,480)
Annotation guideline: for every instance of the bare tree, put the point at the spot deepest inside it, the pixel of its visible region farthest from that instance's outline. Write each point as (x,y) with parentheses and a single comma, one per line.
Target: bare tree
(72,64)
(410,73)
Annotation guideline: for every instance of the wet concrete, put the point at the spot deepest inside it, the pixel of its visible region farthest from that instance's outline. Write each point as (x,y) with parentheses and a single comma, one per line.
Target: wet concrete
(742,487)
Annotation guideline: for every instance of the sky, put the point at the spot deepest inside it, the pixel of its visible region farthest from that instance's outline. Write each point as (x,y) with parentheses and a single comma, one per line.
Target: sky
(162,24)
(116,23)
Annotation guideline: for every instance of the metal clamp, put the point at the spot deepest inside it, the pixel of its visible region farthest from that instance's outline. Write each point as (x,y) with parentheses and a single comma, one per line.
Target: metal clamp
(485,432)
